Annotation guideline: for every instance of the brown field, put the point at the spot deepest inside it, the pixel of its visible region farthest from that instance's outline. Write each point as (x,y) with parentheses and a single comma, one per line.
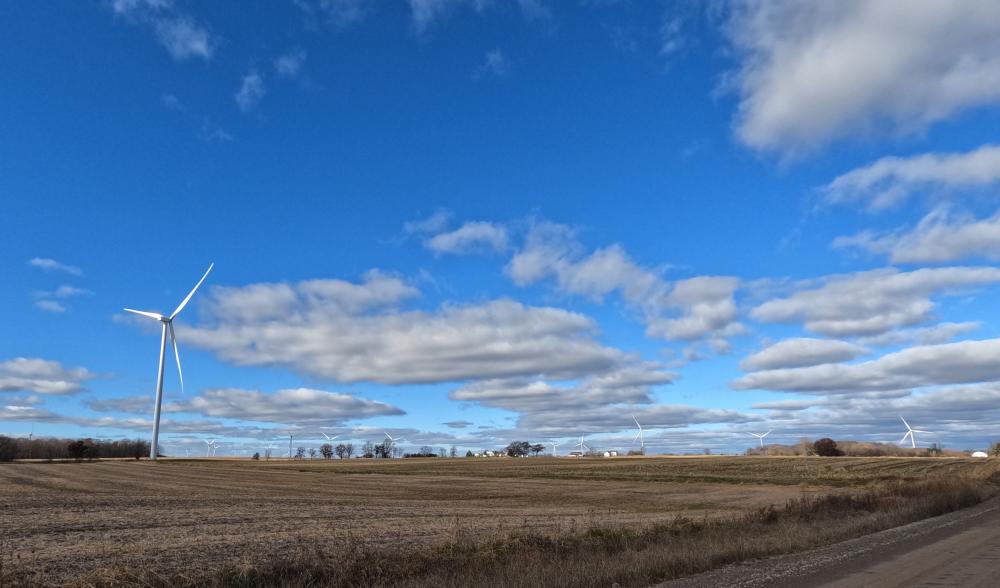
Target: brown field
(84,522)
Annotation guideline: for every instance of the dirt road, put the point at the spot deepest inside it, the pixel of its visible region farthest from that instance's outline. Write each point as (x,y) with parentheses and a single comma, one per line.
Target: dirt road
(957,549)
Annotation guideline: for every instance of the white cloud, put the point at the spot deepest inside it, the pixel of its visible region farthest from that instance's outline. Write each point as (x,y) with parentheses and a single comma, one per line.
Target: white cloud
(814,72)
(471,237)
(927,365)
(495,65)
(435,223)
(51,265)
(802,352)
(181,35)
(50,306)
(705,304)
(184,38)
(290,64)
(251,91)
(872,302)
(42,376)
(348,332)
(290,406)
(893,180)
(941,236)
(426,13)
(939,333)
(340,12)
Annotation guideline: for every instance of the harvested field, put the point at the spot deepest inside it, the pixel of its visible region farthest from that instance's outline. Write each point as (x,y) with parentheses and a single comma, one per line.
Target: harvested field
(65,521)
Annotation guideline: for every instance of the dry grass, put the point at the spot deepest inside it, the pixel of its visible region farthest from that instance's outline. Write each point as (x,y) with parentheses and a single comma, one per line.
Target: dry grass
(449,522)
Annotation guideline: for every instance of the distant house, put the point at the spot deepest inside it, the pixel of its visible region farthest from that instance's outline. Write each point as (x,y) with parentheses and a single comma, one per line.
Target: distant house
(611,453)
(575,454)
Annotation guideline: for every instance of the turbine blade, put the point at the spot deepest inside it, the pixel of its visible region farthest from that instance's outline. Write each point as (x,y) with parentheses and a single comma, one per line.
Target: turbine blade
(767,433)
(919,431)
(905,423)
(151,315)
(636,421)
(191,293)
(177,355)
(903,440)
(636,436)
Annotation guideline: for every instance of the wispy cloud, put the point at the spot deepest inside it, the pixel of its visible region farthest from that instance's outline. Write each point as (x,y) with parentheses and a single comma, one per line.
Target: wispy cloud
(495,65)
(290,64)
(250,92)
(51,265)
(179,33)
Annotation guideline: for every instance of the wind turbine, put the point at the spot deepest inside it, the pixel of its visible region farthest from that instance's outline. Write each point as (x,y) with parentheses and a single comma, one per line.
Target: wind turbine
(329,438)
(392,439)
(554,445)
(581,445)
(761,438)
(167,325)
(642,444)
(290,437)
(909,433)
(209,447)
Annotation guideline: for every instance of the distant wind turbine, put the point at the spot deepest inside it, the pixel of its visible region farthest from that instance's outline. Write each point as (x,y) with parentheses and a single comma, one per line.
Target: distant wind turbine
(910,433)
(642,443)
(329,438)
(761,438)
(290,437)
(582,445)
(168,326)
(554,445)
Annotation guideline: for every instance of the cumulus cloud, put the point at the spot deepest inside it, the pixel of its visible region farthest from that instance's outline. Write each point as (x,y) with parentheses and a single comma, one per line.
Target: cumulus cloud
(950,363)
(471,237)
(180,34)
(49,301)
(939,237)
(51,265)
(813,72)
(296,405)
(348,332)
(872,302)
(893,180)
(251,91)
(689,309)
(43,376)
(802,352)
(435,223)
(939,333)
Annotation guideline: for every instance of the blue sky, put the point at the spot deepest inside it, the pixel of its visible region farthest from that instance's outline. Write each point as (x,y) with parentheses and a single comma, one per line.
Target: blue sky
(469,221)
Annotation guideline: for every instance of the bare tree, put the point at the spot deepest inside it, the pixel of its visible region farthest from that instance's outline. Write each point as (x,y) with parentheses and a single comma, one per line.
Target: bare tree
(341,450)
(312,453)
(300,453)
(453,452)
(348,450)
(327,450)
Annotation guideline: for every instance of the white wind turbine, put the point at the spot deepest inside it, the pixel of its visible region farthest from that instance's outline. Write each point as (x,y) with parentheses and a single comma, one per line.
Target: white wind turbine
(392,439)
(290,437)
(761,438)
(554,445)
(642,443)
(582,445)
(168,326)
(209,447)
(329,438)
(909,433)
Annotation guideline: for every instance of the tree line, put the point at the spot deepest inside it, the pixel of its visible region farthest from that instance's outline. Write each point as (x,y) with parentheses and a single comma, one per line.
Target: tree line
(51,448)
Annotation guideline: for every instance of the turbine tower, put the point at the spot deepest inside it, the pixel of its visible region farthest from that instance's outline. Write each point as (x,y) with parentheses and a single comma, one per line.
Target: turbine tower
(554,445)
(761,438)
(910,433)
(392,441)
(582,446)
(642,443)
(167,323)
